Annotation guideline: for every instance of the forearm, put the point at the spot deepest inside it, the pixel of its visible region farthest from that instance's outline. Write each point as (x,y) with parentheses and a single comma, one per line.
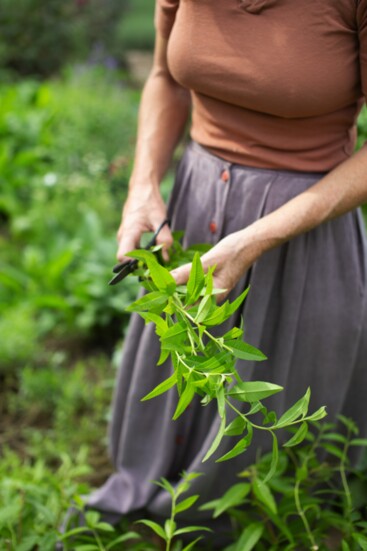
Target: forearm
(341,190)
(163,114)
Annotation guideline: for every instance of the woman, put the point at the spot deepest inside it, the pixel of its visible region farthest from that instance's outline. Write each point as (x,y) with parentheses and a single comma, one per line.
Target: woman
(275,87)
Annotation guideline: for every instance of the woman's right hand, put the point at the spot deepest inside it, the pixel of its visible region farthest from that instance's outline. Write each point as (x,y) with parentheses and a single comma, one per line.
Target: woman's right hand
(143,211)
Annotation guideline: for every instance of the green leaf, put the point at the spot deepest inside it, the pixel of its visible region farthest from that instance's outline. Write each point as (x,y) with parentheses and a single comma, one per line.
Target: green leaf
(252,391)
(169,528)
(191,545)
(233,306)
(191,476)
(250,537)
(245,351)
(333,450)
(73,532)
(234,333)
(203,363)
(256,407)
(87,547)
(176,333)
(234,496)
(184,400)
(196,280)
(150,301)
(270,418)
(217,316)
(334,437)
(186,504)
(155,527)
(236,427)
(28,543)
(205,306)
(163,356)
(221,402)
(345,546)
(161,277)
(163,483)
(162,387)
(121,539)
(92,518)
(361,540)
(274,459)
(105,527)
(209,280)
(297,410)
(349,423)
(298,437)
(160,323)
(239,448)
(222,313)
(359,442)
(217,440)
(190,529)
(319,414)
(264,495)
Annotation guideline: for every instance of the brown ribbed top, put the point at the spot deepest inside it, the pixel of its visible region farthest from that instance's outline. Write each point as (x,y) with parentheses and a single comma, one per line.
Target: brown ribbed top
(275,83)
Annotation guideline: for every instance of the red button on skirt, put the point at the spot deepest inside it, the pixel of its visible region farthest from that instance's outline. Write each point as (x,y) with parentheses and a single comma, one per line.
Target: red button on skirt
(225,175)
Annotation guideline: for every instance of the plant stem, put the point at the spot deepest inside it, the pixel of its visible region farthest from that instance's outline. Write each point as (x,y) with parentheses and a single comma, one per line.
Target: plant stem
(220,345)
(297,500)
(244,416)
(303,517)
(101,547)
(172,518)
(343,476)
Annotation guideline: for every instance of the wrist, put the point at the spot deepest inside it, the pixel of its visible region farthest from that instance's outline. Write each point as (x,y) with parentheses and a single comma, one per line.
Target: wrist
(143,182)
(255,240)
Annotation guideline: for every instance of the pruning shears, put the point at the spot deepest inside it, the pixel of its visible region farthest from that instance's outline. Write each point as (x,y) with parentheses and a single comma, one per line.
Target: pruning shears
(128,266)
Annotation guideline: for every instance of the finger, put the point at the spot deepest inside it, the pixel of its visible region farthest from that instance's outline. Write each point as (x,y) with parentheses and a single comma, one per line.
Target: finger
(181,274)
(165,238)
(128,242)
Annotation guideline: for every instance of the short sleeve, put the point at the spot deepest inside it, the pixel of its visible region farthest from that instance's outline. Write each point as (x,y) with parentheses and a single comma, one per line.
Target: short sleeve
(165,13)
(362,36)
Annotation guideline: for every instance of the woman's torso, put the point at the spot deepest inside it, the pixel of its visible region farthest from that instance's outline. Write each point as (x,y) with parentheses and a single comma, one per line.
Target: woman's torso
(275,83)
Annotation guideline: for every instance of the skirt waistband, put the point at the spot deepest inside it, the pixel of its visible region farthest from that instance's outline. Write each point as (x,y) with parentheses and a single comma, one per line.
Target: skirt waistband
(224,164)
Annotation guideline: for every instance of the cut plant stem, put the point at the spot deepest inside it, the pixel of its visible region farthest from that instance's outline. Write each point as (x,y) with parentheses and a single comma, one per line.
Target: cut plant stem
(205,332)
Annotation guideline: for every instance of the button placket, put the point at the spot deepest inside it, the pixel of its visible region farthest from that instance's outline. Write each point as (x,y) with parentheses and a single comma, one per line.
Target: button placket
(222,190)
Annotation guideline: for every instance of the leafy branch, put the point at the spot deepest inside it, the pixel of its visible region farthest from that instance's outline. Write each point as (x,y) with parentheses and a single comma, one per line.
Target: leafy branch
(205,364)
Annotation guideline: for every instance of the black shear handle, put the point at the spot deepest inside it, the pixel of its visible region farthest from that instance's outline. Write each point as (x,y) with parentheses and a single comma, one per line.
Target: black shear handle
(125,268)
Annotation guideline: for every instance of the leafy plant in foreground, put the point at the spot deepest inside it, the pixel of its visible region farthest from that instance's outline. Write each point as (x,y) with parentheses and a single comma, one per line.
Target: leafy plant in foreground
(170,530)
(309,503)
(96,535)
(204,364)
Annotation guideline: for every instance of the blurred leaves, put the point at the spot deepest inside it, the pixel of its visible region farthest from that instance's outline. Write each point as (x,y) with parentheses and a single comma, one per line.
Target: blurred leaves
(62,182)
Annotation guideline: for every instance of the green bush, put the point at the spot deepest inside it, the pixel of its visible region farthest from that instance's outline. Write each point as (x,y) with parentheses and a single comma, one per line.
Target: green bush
(19,336)
(135,30)
(65,158)
(38,37)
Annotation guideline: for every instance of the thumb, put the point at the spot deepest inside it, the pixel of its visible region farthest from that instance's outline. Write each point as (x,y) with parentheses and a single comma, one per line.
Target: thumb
(181,274)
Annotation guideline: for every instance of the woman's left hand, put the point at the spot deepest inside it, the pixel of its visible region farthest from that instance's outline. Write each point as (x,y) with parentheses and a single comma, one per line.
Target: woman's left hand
(232,257)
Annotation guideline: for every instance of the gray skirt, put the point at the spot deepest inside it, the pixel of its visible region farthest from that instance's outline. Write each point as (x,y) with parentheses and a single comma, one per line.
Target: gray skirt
(306,311)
